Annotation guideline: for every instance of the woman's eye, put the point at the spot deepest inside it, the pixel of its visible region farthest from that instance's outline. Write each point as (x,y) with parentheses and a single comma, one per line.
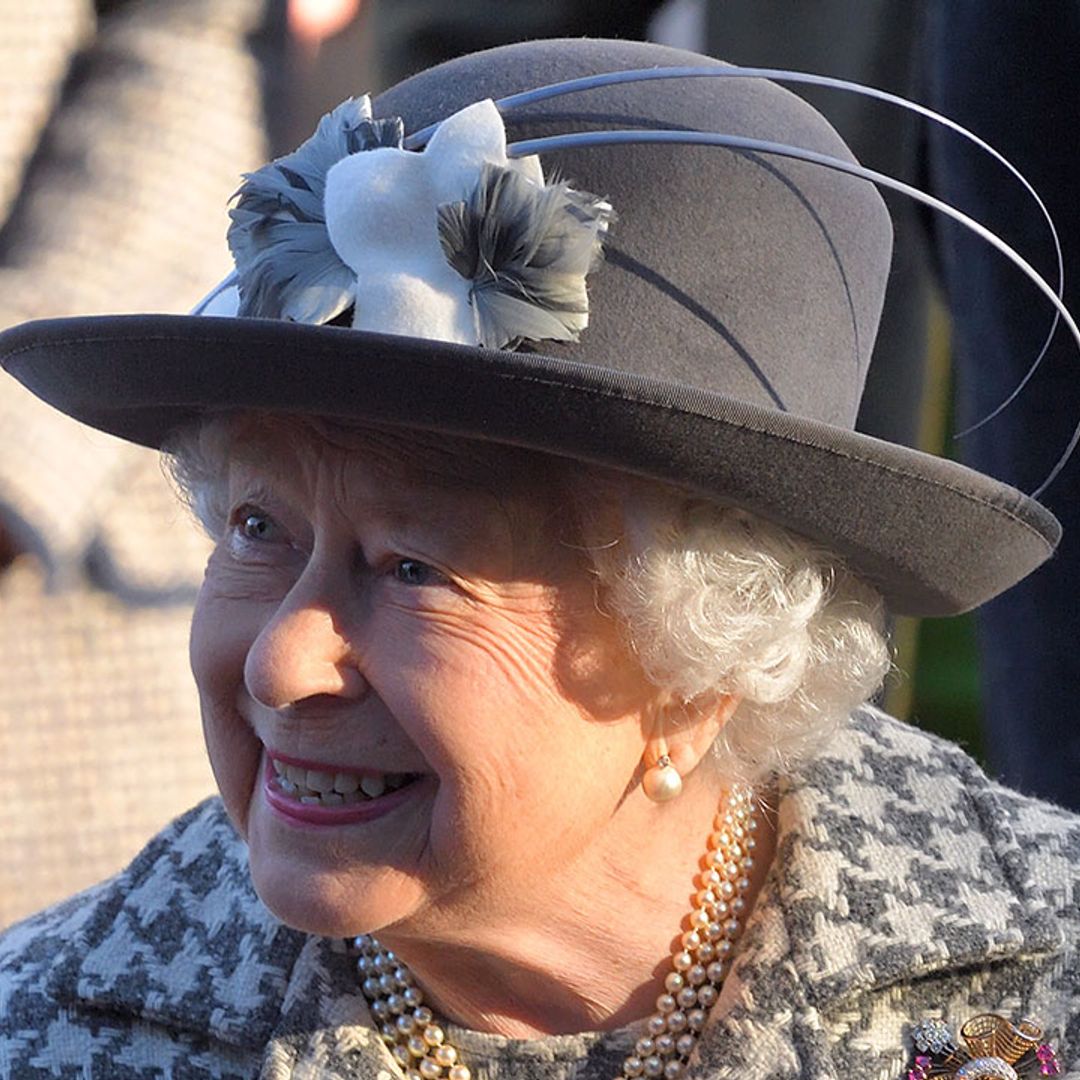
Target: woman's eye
(415,572)
(255,525)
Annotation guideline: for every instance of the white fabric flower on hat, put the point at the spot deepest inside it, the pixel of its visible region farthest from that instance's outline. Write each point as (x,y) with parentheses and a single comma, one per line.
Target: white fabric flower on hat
(455,243)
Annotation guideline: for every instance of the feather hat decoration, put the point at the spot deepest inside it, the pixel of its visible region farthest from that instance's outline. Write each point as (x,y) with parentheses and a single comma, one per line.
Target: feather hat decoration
(286,266)
(456,243)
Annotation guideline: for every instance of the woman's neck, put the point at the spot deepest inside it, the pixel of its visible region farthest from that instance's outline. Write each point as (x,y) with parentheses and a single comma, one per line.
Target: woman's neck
(586,950)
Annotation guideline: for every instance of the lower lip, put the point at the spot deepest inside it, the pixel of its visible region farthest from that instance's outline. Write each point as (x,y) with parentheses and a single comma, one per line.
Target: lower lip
(298,813)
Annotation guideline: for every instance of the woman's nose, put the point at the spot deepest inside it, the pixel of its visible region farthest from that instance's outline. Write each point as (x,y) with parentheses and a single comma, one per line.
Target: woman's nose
(302,653)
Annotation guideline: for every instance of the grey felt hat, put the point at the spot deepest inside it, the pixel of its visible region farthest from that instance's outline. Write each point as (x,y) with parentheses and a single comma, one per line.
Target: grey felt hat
(721,344)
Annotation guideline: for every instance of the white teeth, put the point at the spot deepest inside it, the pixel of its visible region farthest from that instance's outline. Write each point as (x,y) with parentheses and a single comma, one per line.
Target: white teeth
(320,787)
(322,782)
(346,783)
(372,786)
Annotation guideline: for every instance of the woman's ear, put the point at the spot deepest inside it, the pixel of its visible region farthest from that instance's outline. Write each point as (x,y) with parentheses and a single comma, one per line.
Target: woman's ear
(684,732)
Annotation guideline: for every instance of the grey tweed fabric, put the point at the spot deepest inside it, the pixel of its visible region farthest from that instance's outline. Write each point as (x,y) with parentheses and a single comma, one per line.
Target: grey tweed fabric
(906,885)
(121,139)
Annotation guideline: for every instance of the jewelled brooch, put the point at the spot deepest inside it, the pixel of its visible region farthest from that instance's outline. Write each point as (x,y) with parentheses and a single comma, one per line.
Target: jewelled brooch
(990,1048)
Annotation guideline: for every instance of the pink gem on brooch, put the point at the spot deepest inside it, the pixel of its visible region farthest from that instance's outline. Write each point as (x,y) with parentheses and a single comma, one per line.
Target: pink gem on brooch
(993,1049)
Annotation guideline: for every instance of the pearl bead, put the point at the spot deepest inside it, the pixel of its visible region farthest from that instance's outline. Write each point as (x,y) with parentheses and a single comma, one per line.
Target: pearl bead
(676,1022)
(673,1070)
(682,961)
(433,1035)
(645,1047)
(686,997)
(706,953)
(430,1069)
(662,783)
(684,1045)
(445,1055)
(633,1066)
(459,1072)
(665,1003)
(665,1045)
(654,1066)
(416,1046)
(674,982)
(657,1025)
(696,1018)
(707,995)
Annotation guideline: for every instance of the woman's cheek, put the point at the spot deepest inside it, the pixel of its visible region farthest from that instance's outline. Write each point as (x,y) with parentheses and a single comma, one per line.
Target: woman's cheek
(223,628)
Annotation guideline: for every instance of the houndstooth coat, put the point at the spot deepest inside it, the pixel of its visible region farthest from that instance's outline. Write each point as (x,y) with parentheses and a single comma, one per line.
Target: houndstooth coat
(906,885)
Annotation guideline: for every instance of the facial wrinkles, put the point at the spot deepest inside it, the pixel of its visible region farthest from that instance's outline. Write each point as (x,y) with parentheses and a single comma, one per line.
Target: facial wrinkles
(515,651)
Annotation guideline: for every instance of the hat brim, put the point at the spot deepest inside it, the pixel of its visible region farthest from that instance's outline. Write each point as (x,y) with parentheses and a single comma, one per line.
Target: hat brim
(935,537)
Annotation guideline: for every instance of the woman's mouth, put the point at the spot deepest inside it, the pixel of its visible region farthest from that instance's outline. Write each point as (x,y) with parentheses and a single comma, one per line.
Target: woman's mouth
(322,795)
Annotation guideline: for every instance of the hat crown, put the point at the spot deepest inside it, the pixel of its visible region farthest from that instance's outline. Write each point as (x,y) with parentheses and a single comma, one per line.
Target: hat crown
(727,271)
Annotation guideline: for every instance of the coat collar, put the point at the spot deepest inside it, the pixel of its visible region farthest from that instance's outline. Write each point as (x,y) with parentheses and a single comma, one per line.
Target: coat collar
(895,863)
(895,866)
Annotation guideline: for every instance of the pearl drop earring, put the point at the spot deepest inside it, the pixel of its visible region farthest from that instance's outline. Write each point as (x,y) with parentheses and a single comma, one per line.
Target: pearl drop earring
(662,781)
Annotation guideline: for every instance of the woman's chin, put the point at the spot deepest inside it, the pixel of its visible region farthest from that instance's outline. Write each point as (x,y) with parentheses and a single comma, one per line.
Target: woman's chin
(332,903)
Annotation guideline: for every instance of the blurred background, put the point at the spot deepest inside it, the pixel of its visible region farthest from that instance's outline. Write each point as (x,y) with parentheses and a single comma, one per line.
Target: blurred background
(124,128)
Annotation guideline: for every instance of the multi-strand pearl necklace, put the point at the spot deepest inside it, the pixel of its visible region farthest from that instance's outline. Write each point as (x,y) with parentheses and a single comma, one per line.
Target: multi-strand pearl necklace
(699,965)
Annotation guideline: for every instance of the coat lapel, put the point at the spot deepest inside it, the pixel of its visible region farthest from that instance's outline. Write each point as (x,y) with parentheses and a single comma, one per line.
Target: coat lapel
(895,866)
(180,939)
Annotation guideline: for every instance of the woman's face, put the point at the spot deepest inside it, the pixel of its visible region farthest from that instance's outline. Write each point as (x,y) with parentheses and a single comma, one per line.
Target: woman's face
(422,658)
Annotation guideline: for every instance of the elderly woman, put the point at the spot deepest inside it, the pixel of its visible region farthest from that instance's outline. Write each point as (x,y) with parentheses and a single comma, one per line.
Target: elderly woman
(546,596)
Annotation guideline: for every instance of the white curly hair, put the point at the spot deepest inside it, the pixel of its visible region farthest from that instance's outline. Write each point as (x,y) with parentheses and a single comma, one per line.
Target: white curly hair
(711,599)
